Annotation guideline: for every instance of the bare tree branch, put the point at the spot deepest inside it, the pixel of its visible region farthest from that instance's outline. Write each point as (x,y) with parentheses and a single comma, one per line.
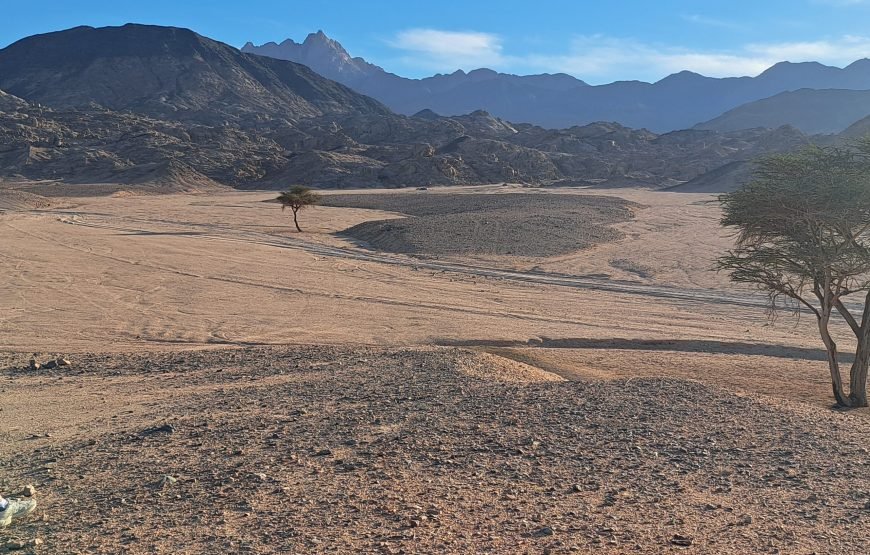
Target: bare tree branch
(848,317)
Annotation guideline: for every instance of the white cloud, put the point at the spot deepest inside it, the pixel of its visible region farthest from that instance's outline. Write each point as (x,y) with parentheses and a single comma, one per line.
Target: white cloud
(845,49)
(600,58)
(450,50)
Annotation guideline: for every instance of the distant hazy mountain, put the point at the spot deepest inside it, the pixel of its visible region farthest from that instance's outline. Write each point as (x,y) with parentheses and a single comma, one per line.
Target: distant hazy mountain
(508,96)
(678,101)
(812,111)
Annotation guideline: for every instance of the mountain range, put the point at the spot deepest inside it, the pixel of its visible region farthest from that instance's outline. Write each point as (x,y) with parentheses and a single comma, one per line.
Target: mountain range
(149,105)
(679,101)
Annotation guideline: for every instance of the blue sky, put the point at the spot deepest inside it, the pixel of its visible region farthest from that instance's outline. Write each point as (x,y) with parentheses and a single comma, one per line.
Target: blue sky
(598,41)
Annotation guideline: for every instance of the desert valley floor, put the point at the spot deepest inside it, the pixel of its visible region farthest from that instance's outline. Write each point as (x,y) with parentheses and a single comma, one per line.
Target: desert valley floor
(368,386)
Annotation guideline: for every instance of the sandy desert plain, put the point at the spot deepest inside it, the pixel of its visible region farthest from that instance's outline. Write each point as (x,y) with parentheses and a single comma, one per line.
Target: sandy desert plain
(417,385)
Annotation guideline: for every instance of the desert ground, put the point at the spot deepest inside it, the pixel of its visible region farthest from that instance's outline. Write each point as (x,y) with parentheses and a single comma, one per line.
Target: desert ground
(389,381)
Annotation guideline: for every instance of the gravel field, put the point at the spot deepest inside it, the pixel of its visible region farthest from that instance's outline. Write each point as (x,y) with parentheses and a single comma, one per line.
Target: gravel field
(519,224)
(364,450)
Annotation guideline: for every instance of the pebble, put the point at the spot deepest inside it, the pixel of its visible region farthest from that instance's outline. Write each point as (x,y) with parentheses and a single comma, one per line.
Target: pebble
(28,491)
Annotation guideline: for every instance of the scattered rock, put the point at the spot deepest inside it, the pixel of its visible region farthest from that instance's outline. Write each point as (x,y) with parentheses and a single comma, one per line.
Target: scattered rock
(447,444)
(164,429)
(28,491)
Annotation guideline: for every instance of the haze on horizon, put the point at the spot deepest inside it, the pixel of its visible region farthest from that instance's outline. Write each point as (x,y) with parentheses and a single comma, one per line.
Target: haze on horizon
(596,43)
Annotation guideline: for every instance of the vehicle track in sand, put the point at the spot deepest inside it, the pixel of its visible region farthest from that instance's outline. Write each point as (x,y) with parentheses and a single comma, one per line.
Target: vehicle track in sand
(136,225)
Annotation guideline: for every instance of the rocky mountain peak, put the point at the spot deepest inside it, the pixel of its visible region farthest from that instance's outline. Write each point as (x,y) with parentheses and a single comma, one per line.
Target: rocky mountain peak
(321,53)
(319,44)
(859,65)
(682,78)
(426,113)
(791,68)
(320,38)
(483,73)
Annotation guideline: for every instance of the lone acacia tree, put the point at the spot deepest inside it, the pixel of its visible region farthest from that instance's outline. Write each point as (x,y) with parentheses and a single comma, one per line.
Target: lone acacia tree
(297,199)
(804,238)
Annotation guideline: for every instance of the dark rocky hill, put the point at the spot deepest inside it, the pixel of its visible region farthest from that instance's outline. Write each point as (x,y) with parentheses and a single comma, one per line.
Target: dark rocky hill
(168,73)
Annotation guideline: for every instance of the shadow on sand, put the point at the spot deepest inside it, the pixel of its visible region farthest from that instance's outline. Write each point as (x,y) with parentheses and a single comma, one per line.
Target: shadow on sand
(678,345)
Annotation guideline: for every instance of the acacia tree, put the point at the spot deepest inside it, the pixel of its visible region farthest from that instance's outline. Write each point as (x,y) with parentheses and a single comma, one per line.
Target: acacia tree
(803,237)
(298,198)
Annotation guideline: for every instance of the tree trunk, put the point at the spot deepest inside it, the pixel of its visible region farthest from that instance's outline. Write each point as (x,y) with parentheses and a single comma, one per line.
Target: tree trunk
(833,364)
(858,374)
(295,221)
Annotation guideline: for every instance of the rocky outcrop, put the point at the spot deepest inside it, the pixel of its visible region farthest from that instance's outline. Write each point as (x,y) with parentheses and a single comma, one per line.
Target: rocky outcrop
(96,145)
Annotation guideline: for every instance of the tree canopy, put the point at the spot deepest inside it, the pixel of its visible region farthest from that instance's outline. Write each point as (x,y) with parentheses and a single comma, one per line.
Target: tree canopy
(297,199)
